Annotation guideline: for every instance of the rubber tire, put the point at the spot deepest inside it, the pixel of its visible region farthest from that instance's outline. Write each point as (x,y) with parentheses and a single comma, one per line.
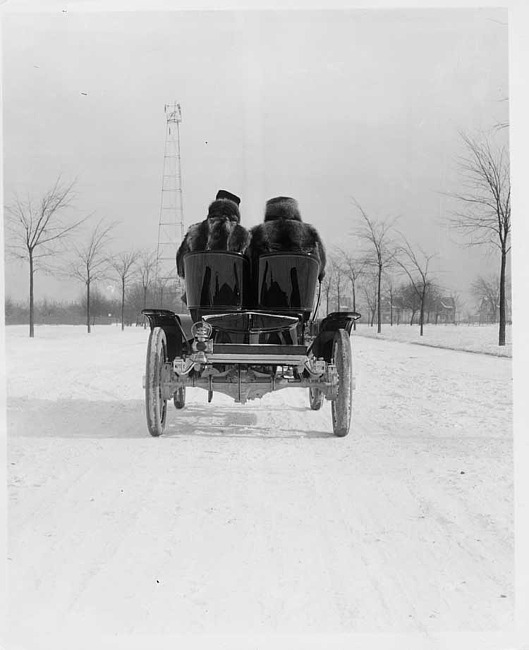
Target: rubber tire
(156,406)
(315,399)
(341,407)
(179,398)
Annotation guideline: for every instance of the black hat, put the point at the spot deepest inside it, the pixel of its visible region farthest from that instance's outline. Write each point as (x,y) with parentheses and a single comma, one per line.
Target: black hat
(224,194)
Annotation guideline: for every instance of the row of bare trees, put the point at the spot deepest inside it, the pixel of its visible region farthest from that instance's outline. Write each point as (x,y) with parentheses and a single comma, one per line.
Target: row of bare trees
(385,254)
(350,284)
(404,284)
(40,233)
(106,306)
(483,218)
(134,271)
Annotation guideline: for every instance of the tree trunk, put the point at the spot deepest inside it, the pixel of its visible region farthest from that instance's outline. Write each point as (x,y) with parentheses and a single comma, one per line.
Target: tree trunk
(122,304)
(501,337)
(354,304)
(144,305)
(31,302)
(88,307)
(421,316)
(379,321)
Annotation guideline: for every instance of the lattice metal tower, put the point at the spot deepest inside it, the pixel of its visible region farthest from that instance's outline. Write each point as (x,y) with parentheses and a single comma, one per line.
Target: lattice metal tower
(171,222)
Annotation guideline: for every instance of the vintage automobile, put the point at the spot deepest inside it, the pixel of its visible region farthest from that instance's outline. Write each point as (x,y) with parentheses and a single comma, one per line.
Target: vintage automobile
(249,332)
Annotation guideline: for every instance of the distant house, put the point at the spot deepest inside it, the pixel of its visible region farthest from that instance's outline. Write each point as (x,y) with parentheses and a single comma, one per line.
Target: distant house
(441,310)
(488,311)
(445,310)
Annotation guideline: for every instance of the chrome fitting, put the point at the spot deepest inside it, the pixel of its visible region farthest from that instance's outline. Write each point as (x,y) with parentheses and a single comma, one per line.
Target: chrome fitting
(202,346)
(316,367)
(201,331)
(182,366)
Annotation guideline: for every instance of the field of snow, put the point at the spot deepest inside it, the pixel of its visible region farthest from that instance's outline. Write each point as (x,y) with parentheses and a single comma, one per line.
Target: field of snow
(472,338)
(254,519)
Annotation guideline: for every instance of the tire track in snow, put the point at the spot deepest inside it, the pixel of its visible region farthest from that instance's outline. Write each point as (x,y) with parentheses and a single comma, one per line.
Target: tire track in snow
(255,517)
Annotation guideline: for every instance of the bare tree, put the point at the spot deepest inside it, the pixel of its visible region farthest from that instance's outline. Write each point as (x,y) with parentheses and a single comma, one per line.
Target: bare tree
(390,292)
(124,266)
(485,216)
(332,285)
(406,299)
(339,276)
(377,234)
(135,301)
(417,267)
(100,305)
(353,268)
(487,291)
(146,274)
(37,229)
(369,291)
(165,287)
(91,262)
(327,287)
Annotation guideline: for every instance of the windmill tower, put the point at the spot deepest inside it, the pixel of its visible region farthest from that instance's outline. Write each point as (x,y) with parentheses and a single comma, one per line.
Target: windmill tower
(171,222)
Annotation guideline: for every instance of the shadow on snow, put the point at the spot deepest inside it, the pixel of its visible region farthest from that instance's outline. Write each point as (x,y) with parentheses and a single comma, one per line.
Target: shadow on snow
(78,418)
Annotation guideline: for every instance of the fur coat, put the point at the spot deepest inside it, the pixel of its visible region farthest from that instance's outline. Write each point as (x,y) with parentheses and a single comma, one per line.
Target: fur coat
(220,231)
(284,230)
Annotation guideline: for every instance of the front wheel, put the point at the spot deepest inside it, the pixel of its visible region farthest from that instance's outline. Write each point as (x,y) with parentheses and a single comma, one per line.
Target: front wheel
(341,407)
(179,398)
(315,399)
(156,405)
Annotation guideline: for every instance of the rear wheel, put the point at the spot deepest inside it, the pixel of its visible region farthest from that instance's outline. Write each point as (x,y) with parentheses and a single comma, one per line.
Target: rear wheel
(341,407)
(156,405)
(179,398)
(315,399)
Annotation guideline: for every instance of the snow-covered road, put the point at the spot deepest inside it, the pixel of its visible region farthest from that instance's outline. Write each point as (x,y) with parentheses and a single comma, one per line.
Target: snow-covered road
(254,518)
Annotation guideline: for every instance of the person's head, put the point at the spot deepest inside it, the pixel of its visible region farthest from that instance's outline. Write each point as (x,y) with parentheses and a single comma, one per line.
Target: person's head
(224,209)
(282,207)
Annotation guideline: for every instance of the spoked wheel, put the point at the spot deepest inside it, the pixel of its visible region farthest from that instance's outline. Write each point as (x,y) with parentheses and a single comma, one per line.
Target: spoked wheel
(179,398)
(341,407)
(156,405)
(315,399)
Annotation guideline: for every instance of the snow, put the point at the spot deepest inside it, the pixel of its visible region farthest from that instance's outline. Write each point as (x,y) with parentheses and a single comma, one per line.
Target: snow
(472,338)
(254,519)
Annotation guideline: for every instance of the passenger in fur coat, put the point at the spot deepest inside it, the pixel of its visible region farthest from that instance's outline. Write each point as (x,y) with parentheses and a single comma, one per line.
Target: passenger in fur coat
(220,231)
(284,230)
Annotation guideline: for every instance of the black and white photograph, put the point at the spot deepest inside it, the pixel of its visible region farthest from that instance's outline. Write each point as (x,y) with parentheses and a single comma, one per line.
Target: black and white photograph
(259,311)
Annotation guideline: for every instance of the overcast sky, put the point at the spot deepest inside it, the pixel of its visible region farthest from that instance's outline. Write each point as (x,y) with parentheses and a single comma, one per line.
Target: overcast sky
(323,106)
